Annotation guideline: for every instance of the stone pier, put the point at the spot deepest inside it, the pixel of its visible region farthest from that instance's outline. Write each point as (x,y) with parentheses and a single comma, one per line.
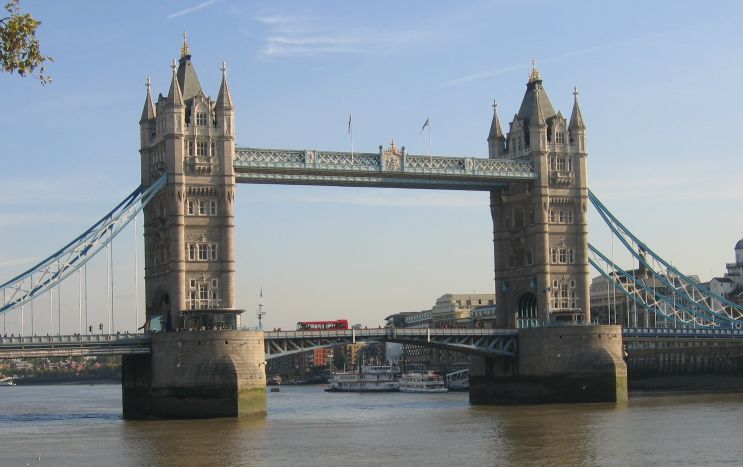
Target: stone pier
(197,374)
(555,365)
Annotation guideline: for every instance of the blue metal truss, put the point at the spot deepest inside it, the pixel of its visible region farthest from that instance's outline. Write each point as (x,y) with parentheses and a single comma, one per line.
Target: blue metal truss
(71,257)
(386,169)
(689,304)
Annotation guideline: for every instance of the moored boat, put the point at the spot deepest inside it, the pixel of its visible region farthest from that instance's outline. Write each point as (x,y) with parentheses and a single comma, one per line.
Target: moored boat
(417,381)
(370,378)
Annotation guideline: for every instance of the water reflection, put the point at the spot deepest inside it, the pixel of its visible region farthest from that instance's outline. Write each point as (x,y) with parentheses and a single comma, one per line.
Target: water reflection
(73,425)
(225,441)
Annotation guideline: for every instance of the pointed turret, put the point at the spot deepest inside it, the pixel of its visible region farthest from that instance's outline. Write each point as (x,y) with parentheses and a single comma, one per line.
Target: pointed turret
(496,139)
(148,112)
(576,118)
(577,128)
(175,98)
(187,78)
(224,99)
(537,115)
(495,130)
(535,92)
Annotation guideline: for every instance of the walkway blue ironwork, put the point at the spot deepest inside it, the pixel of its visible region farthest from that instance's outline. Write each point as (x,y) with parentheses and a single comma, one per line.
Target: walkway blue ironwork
(392,169)
(55,268)
(689,304)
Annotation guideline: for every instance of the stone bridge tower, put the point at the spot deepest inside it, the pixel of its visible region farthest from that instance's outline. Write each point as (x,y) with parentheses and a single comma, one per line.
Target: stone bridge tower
(541,227)
(188,230)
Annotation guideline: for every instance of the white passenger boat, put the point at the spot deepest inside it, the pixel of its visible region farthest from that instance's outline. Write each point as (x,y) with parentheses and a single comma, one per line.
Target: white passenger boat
(422,382)
(9,381)
(371,378)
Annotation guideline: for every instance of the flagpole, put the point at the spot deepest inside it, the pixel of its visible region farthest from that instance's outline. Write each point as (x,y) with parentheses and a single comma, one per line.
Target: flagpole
(429,140)
(350,132)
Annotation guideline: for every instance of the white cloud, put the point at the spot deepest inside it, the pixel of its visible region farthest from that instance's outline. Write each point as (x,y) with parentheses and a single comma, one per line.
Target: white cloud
(302,36)
(193,9)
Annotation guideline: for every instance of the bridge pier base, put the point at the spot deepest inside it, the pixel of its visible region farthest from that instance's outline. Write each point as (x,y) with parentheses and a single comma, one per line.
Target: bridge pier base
(197,374)
(555,365)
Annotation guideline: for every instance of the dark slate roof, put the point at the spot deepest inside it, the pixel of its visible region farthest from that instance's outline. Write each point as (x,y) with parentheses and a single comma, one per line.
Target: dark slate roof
(187,79)
(739,245)
(528,104)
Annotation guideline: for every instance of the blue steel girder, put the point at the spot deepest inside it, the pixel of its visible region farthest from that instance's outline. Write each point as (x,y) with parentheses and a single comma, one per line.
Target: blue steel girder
(484,342)
(312,167)
(71,257)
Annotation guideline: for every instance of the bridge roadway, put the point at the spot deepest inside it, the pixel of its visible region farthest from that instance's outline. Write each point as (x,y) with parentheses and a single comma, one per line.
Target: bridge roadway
(484,342)
(489,342)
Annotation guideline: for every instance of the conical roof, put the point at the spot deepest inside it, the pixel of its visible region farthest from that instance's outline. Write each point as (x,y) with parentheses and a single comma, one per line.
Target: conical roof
(224,98)
(187,78)
(495,130)
(148,112)
(576,118)
(175,97)
(535,92)
(537,115)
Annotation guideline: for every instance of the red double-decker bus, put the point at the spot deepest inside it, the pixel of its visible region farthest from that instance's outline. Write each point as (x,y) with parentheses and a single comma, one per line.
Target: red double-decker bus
(322,325)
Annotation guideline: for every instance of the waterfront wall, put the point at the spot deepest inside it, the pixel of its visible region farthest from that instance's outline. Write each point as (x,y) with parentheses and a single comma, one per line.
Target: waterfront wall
(553,365)
(659,359)
(199,374)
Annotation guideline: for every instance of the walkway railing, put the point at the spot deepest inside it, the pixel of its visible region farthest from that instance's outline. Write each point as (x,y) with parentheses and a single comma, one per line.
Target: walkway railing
(384,169)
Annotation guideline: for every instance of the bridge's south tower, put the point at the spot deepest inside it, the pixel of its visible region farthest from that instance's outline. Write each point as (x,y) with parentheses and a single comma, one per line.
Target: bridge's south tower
(189,245)
(541,227)
(213,370)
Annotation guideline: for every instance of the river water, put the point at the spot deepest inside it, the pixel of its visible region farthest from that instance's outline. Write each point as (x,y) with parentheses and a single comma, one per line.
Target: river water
(82,425)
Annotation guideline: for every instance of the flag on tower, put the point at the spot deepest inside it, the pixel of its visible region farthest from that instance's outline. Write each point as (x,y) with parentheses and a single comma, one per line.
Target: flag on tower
(349,124)
(425,125)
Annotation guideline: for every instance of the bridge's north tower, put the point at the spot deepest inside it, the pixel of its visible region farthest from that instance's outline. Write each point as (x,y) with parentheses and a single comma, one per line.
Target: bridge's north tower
(189,244)
(541,226)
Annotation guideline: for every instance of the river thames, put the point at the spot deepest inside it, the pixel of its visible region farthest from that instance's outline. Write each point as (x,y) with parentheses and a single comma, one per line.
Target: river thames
(82,425)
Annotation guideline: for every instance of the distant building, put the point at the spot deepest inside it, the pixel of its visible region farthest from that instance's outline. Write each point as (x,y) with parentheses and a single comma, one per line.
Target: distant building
(730,286)
(450,311)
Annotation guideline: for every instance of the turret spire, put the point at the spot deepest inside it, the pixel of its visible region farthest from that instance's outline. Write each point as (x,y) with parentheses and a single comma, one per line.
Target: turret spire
(174,93)
(534,75)
(185,49)
(148,112)
(495,130)
(576,119)
(224,99)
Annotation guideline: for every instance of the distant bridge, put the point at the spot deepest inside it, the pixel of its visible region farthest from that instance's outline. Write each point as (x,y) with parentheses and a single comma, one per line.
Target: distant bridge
(486,342)
(483,342)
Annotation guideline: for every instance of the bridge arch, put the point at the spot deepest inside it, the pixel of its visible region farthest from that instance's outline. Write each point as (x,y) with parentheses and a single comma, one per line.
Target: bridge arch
(158,315)
(527,311)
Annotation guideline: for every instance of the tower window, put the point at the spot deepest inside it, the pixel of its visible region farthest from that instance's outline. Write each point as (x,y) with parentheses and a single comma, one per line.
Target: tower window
(190,207)
(201,118)
(214,149)
(189,147)
(201,148)
(212,207)
(560,137)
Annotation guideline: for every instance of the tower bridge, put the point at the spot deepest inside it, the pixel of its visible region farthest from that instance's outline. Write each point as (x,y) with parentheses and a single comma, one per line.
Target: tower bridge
(535,175)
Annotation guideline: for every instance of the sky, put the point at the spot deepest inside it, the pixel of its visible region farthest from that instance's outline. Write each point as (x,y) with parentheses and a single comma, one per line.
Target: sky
(657,87)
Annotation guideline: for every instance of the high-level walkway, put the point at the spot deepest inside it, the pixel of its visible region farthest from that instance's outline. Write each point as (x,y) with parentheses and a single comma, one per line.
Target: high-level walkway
(385,169)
